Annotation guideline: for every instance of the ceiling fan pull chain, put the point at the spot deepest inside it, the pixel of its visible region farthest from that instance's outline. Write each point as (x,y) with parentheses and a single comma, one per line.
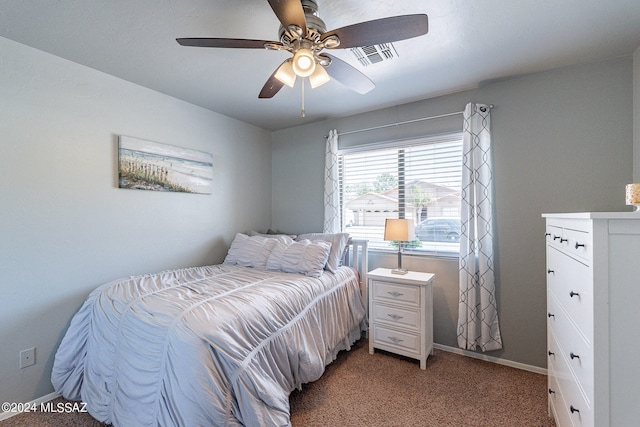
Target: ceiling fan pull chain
(302,111)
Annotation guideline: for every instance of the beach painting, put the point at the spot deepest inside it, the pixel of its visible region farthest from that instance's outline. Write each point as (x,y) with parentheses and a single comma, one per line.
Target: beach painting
(146,165)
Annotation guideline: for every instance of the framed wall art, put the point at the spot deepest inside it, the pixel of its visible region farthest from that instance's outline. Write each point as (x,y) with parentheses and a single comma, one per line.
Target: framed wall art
(147,165)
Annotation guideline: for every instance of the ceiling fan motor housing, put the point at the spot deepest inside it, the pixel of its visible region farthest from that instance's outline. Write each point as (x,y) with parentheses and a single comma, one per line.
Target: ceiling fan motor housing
(315,26)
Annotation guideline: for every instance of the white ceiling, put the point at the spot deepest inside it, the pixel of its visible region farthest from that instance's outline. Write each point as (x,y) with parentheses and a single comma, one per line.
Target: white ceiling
(469,42)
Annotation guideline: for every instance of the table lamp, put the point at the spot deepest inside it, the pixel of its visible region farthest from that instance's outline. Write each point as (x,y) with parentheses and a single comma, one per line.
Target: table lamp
(400,230)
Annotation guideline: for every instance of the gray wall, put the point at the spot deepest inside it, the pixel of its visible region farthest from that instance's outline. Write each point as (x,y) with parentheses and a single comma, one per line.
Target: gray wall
(65,226)
(563,142)
(636,115)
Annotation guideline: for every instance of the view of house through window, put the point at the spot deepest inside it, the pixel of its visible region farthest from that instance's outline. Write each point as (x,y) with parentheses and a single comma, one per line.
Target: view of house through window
(418,180)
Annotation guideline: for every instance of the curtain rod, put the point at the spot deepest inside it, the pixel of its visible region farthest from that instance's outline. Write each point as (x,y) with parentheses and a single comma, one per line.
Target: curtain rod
(405,122)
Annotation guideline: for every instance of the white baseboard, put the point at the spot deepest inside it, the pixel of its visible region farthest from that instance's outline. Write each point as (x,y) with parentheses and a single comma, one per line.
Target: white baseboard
(33,403)
(510,363)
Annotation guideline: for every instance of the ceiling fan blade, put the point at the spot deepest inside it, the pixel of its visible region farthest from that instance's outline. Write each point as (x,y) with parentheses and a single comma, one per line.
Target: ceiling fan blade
(272,86)
(348,76)
(379,31)
(230,43)
(290,12)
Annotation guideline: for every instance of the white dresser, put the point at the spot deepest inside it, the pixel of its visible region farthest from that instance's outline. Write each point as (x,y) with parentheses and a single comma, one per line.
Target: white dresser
(593,318)
(401,313)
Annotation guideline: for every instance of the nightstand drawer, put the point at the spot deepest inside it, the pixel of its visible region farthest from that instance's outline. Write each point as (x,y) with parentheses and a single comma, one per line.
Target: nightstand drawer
(396,293)
(387,337)
(401,317)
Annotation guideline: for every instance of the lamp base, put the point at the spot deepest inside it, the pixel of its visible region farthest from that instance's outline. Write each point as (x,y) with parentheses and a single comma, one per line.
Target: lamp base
(399,271)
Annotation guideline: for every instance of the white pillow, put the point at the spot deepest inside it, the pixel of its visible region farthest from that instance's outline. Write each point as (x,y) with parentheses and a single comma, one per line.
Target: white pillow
(338,243)
(250,251)
(305,257)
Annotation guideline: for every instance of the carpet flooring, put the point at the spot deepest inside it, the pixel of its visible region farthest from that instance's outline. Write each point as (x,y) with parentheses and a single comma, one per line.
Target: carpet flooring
(359,389)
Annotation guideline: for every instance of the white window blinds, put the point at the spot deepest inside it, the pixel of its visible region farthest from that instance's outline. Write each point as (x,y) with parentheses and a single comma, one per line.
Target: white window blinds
(417,179)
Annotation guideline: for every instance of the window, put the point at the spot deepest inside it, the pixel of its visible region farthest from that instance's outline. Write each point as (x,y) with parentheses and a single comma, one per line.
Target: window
(418,179)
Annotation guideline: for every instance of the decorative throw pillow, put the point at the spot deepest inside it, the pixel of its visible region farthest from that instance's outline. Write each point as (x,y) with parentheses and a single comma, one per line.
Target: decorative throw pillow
(250,251)
(338,243)
(305,257)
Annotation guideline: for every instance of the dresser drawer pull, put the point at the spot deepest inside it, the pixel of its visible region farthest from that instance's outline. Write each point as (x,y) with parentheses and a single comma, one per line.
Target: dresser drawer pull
(395,317)
(563,240)
(396,340)
(572,409)
(579,245)
(573,356)
(395,294)
(549,271)
(551,315)
(573,294)
(551,391)
(551,353)
(547,234)
(556,237)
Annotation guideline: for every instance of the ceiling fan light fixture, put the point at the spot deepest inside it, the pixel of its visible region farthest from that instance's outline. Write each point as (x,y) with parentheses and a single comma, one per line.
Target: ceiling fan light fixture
(285,74)
(303,62)
(318,77)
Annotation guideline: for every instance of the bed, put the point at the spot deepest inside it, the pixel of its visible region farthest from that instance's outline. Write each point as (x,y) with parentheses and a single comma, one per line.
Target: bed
(219,345)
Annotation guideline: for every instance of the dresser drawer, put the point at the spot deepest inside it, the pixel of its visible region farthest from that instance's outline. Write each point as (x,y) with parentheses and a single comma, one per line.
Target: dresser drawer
(570,282)
(575,404)
(556,401)
(578,243)
(573,237)
(570,345)
(397,293)
(554,235)
(398,341)
(398,316)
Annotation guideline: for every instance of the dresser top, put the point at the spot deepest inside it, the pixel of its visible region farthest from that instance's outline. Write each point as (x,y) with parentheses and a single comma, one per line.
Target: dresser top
(594,215)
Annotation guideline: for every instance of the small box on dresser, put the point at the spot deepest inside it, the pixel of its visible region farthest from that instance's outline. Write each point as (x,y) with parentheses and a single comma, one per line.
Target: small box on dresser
(401,313)
(593,295)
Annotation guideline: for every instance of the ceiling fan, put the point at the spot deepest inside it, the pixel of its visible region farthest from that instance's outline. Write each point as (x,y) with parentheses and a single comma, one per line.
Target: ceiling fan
(304,34)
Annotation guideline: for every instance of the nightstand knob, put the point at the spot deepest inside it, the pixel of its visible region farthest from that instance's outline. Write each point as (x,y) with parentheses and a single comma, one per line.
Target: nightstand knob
(396,340)
(395,294)
(395,316)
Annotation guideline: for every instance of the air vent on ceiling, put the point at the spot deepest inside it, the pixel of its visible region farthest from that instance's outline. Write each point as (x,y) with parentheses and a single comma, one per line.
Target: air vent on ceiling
(368,55)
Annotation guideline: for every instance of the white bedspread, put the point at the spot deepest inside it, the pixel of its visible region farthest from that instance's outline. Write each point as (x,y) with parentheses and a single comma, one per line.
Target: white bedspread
(205,346)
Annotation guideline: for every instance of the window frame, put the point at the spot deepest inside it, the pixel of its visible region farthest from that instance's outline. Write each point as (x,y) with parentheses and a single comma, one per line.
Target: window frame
(401,145)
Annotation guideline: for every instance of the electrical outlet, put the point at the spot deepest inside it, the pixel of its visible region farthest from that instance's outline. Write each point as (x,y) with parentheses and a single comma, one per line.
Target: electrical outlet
(27,357)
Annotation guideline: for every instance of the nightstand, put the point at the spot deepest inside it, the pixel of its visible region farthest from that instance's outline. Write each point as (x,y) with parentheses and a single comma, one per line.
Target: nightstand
(401,313)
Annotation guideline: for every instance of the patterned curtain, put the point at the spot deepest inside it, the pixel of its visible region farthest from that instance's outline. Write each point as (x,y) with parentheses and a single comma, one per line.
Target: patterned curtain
(478,313)
(331,188)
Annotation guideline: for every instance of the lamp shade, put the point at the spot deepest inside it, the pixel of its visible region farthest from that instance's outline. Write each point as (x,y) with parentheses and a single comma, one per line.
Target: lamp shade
(319,77)
(401,230)
(303,63)
(633,195)
(285,74)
